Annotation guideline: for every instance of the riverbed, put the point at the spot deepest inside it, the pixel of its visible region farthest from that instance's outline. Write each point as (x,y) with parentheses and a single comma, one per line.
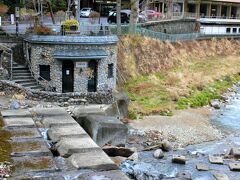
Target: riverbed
(226,121)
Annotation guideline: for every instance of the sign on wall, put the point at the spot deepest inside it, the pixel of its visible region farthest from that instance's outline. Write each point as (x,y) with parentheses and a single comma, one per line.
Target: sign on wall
(81,64)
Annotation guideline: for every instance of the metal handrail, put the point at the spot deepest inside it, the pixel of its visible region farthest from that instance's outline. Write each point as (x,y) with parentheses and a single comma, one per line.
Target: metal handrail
(31,71)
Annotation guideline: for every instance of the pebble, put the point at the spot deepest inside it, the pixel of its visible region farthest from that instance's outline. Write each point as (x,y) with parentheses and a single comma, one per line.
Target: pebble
(158,154)
(166,145)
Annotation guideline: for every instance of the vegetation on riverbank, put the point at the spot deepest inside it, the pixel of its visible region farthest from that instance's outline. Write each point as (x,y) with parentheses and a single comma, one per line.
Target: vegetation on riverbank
(162,76)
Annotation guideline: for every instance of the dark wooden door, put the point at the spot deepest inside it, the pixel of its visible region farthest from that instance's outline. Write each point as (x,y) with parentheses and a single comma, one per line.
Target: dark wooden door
(92,81)
(67,76)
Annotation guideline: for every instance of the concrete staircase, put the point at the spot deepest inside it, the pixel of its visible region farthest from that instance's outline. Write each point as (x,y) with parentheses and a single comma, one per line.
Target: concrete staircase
(22,76)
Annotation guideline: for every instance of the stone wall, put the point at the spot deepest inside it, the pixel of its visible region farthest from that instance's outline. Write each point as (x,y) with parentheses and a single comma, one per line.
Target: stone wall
(42,54)
(11,88)
(182,26)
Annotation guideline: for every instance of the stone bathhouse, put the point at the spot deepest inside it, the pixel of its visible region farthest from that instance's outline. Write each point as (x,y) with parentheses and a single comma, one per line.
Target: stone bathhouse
(68,64)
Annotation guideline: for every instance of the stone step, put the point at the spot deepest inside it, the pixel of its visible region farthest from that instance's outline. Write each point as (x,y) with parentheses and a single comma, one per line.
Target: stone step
(93,160)
(29,146)
(18,122)
(16,113)
(29,84)
(30,80)
(22,77)
(22,74)
(55,133)
(39,88)
(21,71)
(113,174)
(19,68)
(68,146)
(24,165)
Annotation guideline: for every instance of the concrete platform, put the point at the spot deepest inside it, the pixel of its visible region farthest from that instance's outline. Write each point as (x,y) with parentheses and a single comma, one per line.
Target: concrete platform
(92,159)
(105,129)
(55,132)
(16,113)
(68,146)
(105,175)
(20,122)
(49,111)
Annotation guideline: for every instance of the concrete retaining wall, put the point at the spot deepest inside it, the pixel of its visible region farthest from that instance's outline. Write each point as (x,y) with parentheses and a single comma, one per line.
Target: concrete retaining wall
(181,26)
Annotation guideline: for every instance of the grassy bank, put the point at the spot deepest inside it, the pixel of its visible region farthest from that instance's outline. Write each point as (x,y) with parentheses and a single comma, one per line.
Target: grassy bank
(161,76)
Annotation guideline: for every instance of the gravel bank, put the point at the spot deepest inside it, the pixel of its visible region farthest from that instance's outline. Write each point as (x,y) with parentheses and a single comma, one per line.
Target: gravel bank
(186,127)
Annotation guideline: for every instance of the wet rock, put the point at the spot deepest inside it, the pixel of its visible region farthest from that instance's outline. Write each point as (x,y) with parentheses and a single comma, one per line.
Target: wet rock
(183,175)
(14,105)
(215,159)
(140,170)
(134,157)
(166,145)
(202,167)
(158,154)
(179,159)
(118,151)
(220,176)
(234,166)
(215,103)
(235,152)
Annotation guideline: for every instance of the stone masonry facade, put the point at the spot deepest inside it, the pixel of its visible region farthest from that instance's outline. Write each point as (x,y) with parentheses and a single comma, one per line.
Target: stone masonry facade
(43,54)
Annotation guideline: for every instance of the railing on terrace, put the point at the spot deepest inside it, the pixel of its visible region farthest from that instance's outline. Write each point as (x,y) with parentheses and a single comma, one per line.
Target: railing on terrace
(95,30)
(166,37)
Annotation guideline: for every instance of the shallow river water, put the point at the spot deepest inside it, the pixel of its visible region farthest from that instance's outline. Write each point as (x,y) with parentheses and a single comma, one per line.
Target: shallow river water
(226,119)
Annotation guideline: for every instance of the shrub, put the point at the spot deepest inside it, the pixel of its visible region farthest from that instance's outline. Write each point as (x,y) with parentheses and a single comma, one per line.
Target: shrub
(69,23)
(43,30)
(26,14)
(3,9)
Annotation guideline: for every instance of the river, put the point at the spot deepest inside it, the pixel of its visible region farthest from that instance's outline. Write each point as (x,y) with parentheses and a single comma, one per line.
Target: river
(226,119)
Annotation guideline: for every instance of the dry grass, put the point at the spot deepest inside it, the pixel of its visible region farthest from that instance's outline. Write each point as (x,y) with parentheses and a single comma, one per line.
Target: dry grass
(158,73)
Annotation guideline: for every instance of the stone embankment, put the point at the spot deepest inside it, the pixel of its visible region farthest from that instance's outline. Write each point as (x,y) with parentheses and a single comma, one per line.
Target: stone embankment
(32,157)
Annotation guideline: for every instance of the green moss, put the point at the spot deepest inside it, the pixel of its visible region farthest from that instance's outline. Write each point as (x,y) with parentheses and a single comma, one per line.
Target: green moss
(202,98)
(25,146)
(5,147)
(40,164)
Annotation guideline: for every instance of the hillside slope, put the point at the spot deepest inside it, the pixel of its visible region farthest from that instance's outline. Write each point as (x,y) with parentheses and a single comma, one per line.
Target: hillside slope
(162,76)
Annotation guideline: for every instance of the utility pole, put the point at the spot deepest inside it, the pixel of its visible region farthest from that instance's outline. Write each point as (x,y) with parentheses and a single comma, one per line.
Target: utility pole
(119,31)
(78,10)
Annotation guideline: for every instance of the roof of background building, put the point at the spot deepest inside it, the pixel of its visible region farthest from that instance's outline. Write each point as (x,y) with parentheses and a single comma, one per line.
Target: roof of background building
(76,54)
(92,40)
(229,1)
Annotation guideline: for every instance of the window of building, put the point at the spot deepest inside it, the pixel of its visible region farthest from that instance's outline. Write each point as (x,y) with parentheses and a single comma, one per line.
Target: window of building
(228,30)
(44,72)
(234,30)
(110,70)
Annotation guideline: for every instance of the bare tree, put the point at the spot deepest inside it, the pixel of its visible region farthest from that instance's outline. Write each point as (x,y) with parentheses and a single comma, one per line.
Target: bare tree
(134,15)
